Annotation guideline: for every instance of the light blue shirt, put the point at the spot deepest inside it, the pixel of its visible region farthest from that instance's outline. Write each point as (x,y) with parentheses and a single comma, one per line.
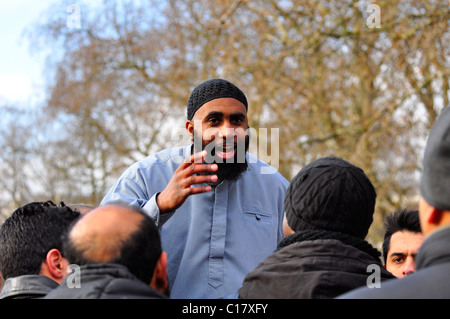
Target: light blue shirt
(214,239)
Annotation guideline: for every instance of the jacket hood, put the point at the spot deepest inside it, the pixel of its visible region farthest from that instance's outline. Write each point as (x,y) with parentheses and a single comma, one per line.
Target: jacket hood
(321,268)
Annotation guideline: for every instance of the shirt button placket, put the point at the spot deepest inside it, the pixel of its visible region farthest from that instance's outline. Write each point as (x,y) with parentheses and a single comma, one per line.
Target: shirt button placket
(218,232)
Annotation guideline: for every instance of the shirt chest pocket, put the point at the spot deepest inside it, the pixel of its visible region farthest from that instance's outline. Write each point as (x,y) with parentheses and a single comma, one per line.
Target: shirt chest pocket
(260,229)
(257,216)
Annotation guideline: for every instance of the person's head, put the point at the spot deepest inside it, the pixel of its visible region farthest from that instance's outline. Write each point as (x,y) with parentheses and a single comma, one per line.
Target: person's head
(122,235)
(434,202)
(330,194)
(82,208)
(31,241)
(217,122)
(402,240)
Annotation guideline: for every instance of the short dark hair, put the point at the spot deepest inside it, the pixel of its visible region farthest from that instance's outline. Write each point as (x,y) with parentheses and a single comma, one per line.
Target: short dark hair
(400,220)
(29,234)
(139,253)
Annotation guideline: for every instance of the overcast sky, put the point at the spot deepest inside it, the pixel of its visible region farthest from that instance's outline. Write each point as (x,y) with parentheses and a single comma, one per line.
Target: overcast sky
(21,79)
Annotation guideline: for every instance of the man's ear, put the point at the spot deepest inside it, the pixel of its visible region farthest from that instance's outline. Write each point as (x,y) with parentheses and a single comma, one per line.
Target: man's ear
(55,266)
(159,281)
(435,216)
(190,129)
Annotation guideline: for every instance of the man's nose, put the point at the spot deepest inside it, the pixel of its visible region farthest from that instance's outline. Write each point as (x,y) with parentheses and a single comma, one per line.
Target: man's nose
(410,266)
(226,130)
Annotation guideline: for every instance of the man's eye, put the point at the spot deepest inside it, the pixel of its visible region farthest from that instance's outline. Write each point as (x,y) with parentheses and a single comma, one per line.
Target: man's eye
(214,121)
(398,260)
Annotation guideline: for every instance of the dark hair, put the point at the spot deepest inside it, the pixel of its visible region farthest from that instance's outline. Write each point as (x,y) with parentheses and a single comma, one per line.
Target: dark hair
(29,233)
(139,253)
(405,219)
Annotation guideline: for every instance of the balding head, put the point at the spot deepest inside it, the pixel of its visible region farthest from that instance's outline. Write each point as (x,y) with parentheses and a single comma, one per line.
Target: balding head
(101,233)
(115,234)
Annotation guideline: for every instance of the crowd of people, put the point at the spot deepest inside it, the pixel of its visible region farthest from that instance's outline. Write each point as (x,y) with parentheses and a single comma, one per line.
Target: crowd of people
(207,220)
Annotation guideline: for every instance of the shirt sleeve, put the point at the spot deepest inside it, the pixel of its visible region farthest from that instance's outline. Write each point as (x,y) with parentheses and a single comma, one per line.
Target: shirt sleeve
(129,192)
(152,209)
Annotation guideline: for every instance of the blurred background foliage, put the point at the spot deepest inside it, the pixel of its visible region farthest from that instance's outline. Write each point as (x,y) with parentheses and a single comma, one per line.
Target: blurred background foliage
(331,77)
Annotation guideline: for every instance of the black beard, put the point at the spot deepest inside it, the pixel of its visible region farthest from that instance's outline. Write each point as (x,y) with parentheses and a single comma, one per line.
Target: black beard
(228,169)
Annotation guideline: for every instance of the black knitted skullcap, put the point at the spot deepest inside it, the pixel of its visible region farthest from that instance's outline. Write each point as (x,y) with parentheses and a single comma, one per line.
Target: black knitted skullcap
(331,194)
(435,178)
(211,90)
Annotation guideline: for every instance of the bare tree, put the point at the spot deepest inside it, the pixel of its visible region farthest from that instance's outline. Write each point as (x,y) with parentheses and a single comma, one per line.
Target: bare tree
(318,70)
(17,152)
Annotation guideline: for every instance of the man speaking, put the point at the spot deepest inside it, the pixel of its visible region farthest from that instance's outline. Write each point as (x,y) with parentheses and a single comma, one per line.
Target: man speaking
(221,211)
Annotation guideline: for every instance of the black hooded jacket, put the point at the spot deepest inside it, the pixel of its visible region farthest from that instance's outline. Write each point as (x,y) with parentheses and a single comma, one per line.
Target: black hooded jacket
(27,287)
(314,264)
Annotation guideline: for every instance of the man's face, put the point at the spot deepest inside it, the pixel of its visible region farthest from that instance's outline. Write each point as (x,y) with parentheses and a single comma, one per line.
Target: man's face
(220,127)
(404,245)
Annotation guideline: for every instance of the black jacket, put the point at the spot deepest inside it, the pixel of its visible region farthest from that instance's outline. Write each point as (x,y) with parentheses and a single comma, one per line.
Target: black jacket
(313,264)
(27,287)
(430,281)
(105,281)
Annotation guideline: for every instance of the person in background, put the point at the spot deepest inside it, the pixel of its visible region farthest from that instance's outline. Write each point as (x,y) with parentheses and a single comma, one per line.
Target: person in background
(118,250)
(329,205)
(31,258)
(402,240)
(431,279)
(219,208)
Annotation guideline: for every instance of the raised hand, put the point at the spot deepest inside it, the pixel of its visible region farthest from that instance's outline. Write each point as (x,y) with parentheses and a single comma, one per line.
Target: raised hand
(180,186)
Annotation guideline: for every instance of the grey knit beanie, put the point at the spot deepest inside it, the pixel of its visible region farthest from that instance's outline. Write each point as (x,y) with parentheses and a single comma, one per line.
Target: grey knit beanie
(435,179)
